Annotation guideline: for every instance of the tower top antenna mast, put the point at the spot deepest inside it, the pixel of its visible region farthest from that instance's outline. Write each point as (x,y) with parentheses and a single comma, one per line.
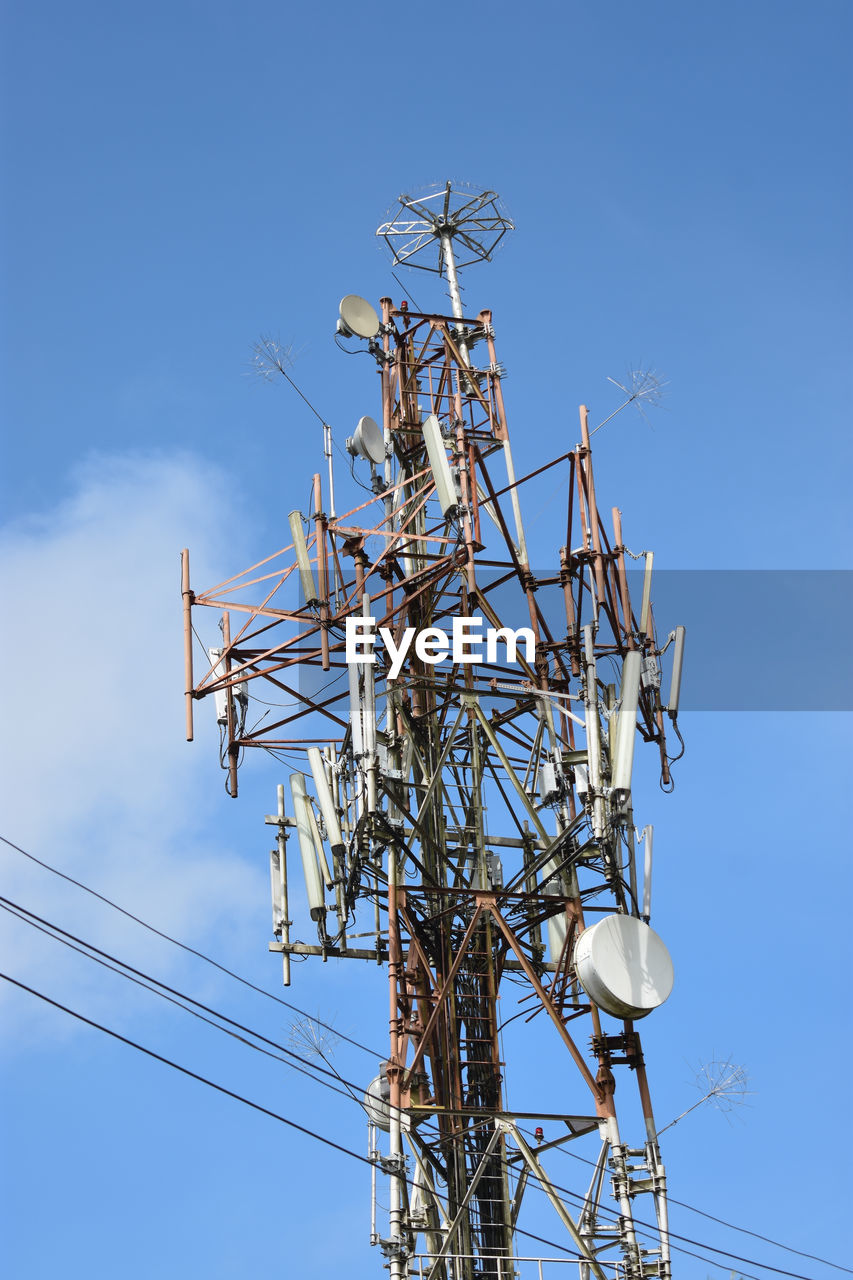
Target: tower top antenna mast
(445,228)
(469,822)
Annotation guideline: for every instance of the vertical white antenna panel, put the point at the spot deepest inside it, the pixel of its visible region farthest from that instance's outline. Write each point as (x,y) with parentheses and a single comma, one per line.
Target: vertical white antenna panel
(369,722)
(440,467)
(355,710)
(300,546)
(353,669)
(318,844)
(647,592)
(220,697)
(648,833)
(677,664)
(369,704)
(324,797)
(311,871)
(626,727)
(276,886)
(593,731)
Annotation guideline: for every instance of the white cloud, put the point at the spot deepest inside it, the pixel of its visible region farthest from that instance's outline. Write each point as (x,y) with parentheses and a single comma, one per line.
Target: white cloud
(98,778)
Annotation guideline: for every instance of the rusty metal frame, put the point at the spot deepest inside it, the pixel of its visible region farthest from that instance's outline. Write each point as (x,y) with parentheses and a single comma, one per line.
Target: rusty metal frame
(426,570)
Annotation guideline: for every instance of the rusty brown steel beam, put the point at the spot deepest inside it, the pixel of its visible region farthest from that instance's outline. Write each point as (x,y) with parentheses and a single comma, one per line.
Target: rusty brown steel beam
(443,993)
(187,601)
(548,1004)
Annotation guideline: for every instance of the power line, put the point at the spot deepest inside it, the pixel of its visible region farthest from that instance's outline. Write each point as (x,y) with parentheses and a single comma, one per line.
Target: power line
(349,1085)
(157,987)
(292,1124)
(193,1075)
(639,1223)
(364,1160)
(812,1257)
(374,1053)
(552,1244)
(151,984)
(702,1244)
(405,290)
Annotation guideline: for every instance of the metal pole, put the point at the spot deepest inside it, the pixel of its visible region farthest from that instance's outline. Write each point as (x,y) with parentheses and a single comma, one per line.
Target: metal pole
(285,909)
(593,507)
(327,450)
(397,1262)
(229,707)
(593,732)
(455,295)
(472,1187)
(516,505)
(322,569)
(187,600)
(503,435)
(562,1212)
(453,283)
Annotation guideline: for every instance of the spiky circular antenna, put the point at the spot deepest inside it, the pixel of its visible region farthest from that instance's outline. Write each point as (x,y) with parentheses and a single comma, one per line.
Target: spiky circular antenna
(644,386)
(308,1035)
(723,1083)
(416,227)
(270,357)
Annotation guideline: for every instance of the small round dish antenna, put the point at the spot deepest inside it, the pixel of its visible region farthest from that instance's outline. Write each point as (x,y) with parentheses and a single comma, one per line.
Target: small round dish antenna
(623,966)
(367,441)
(358,319)
(377,1102)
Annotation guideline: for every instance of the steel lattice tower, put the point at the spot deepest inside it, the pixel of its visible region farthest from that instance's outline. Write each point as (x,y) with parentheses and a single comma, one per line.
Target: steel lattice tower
(471,819)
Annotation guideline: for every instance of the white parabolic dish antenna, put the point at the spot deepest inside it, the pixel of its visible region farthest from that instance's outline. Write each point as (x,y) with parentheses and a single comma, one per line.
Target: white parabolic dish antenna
(376,1103)
(358,317)
(623,966)
(368,441)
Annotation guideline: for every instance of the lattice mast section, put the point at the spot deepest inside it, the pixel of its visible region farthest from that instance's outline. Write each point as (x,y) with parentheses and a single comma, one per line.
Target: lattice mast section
(463,823)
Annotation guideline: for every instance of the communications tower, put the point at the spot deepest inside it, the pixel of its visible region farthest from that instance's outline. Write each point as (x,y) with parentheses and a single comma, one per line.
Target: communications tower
(464,814)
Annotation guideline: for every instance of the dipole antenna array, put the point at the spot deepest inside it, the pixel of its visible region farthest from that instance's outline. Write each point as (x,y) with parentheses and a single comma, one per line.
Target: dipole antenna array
(426,229)
(465,812)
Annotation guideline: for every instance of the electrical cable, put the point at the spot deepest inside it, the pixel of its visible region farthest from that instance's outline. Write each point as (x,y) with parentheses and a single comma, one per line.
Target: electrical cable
(355,1155)
(355,351)
(638,1223)
(702,1244)
(229,1093)
(351,1090)
(743,1275)
(174,996)
(274,1115)
(194,1075)
(301,393)
(405,291)
(238,1097)
(360,483)
(314,1067)
(374,1053)
(812,1257)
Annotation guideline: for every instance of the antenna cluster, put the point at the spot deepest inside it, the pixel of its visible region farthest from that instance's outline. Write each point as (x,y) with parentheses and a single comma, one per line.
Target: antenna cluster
(464,815)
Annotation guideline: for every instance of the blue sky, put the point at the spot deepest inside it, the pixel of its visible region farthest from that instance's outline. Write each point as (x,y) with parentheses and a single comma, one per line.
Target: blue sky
(180,180)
